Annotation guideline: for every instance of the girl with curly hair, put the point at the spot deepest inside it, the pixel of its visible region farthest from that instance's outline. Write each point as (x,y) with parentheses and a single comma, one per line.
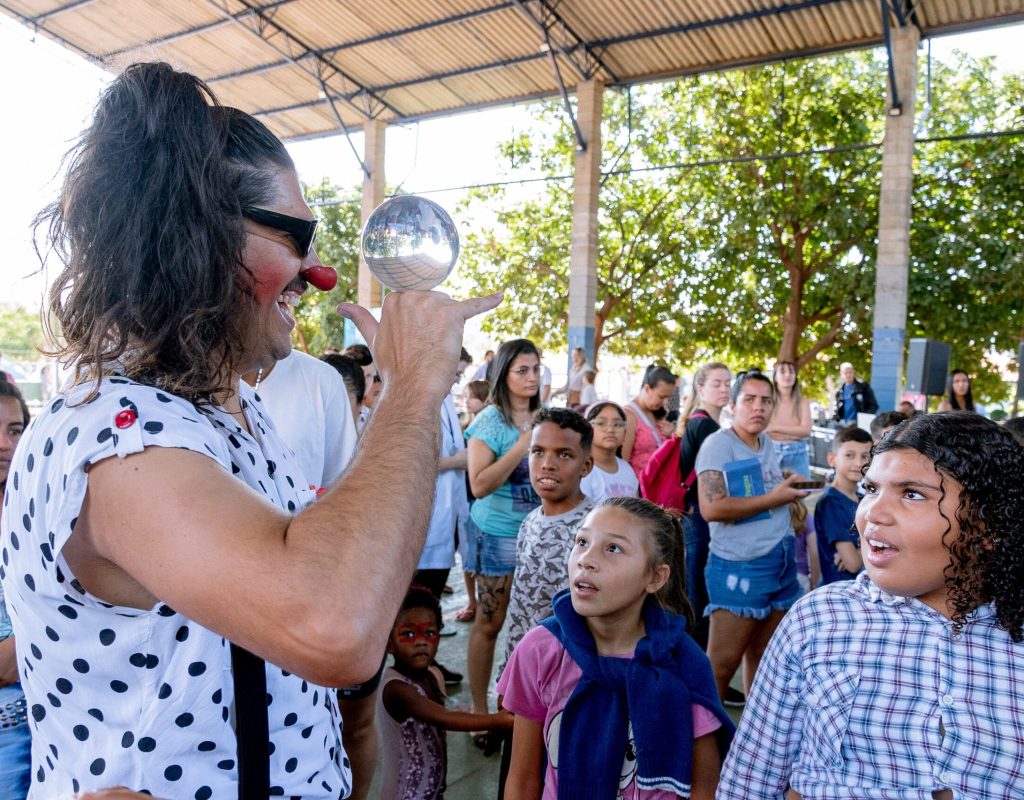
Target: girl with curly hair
(905,681)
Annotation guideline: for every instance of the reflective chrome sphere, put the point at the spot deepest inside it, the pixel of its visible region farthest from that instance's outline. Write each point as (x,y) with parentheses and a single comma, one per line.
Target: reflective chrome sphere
(410,242)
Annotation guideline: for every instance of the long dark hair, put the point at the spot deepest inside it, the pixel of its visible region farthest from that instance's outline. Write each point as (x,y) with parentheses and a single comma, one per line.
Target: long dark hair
(149,230)
(987,557)
(497,374)
(795,394)
(665,542)
(954,401)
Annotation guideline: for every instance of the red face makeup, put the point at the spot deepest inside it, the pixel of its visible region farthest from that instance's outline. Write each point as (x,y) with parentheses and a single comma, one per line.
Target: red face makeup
(409,632)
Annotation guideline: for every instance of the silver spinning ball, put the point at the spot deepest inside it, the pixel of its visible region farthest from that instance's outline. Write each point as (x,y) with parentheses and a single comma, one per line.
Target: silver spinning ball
(410,243)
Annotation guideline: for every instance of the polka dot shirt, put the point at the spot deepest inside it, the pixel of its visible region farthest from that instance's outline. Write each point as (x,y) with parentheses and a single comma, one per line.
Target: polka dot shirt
(118,695)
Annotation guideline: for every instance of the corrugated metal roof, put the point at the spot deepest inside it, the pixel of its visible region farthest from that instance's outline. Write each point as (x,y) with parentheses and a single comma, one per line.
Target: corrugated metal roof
(287,60)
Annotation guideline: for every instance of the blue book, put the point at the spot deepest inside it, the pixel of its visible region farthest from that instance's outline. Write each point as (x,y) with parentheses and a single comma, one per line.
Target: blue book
(743,479)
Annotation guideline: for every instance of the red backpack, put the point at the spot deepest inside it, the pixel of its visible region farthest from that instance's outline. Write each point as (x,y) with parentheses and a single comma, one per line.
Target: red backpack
(661,480)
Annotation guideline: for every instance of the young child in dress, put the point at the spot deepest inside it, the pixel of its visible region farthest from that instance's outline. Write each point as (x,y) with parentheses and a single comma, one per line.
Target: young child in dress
(413,719)
(611,696)
(611,476)
(906,681)
(838,552)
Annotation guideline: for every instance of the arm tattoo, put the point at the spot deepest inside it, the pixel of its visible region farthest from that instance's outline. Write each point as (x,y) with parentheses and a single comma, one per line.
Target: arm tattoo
(712,486)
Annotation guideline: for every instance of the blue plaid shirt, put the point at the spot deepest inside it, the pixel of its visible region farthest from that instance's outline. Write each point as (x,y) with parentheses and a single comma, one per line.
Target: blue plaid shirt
(865,695)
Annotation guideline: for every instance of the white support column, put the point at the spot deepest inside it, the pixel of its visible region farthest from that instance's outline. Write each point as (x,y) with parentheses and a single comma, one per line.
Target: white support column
(371,293)
(586,188)
(894,225)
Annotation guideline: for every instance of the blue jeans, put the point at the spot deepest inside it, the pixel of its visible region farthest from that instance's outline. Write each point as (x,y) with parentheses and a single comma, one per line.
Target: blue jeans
(15,745)
(697,537)
(794,456)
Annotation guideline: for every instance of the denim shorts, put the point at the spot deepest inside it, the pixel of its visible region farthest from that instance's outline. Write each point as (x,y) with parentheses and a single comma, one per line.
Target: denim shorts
(795,456)
(488,555)
(754,588)
(15,744)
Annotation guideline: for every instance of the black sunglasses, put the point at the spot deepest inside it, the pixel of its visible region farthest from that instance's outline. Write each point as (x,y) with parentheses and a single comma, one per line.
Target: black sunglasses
(302,231)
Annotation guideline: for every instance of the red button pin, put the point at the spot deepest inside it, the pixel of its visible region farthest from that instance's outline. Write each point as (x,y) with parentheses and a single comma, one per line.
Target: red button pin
(125,418)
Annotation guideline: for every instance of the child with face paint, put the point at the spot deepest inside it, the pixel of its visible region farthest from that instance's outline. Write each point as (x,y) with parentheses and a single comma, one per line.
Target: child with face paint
(905,682)
(413,719)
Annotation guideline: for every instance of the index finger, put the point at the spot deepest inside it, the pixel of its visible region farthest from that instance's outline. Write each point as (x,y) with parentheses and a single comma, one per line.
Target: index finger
(479,305)
(364,321)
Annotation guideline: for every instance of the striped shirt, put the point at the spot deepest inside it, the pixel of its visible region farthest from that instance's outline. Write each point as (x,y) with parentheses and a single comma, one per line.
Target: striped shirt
(864,695)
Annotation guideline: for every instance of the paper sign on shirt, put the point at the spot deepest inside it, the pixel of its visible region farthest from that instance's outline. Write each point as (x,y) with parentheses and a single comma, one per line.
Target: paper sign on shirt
(743,478)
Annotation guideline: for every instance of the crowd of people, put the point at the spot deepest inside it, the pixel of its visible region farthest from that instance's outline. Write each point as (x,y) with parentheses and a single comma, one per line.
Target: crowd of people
(222,559)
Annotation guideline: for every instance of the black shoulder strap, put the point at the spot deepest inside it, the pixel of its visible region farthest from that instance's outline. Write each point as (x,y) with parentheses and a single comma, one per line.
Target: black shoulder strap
(251,728)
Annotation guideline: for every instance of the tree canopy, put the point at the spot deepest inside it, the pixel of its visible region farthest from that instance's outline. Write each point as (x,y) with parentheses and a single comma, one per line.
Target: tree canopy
(739,216)
(318,326)
(21,333)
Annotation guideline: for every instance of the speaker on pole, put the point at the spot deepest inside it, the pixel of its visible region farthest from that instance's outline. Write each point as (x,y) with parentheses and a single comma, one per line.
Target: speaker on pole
(1020,372)
(927,367)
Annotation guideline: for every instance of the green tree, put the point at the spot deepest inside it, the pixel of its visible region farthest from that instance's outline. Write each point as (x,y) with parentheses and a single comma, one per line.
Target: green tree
(21,333)
(318,325)
(967,240)
(739,217)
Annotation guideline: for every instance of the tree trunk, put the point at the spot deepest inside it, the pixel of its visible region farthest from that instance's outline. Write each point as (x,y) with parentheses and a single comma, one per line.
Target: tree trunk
(793,321)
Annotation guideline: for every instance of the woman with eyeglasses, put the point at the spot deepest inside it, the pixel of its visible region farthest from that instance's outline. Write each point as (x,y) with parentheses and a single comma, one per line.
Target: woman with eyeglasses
(167,571)
(611,476)
(15,734)
(499,476)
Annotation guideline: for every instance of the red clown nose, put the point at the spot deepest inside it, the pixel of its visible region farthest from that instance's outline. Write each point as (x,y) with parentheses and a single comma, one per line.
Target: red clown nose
(322,278)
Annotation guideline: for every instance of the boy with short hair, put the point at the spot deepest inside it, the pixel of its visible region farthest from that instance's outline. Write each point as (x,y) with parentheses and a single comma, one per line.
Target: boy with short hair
(838,551)
(885,422)
(559,457)
(588,394)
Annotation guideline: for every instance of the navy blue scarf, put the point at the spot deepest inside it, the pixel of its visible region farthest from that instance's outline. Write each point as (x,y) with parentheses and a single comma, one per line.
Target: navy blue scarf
(653,691)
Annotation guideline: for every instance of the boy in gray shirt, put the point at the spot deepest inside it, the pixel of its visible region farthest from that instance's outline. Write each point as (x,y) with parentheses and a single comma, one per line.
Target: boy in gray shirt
(559,457)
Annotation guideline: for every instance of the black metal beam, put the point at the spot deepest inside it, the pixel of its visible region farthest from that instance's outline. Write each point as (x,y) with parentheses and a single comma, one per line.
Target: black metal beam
(457,73)
(547,95)
(297,52)
(571,41)
(204,28)
(419,28)
(329,52)
(39,27)
(687,27)
(53,12)
(895,105)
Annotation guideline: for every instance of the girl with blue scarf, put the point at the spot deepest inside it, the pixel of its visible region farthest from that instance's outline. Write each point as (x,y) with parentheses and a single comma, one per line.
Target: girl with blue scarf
(612,698)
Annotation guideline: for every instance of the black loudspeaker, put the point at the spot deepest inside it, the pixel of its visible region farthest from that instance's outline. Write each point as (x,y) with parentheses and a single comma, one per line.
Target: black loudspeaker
(1020,372)
(927,367)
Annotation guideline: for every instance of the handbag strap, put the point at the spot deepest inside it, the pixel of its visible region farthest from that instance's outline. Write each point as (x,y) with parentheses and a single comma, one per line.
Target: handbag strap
(251,728)
(690,479)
